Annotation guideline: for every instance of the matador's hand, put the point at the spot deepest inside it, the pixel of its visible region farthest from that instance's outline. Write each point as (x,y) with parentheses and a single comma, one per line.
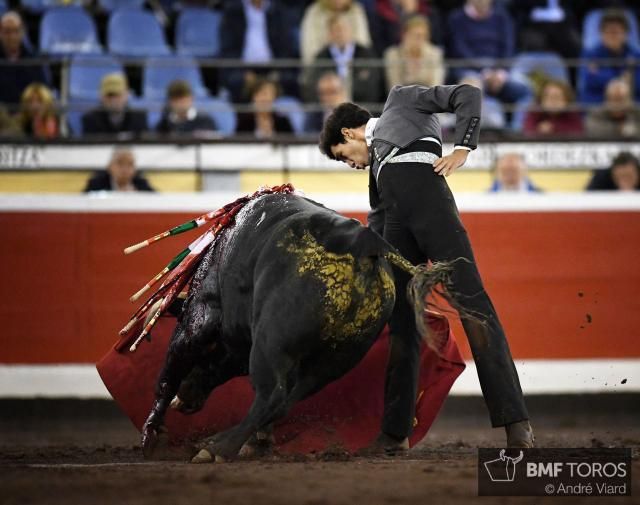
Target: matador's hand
(447,164)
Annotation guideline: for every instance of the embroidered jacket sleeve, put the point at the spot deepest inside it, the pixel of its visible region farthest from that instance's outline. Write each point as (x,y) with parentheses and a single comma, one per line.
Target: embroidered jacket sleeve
(464,100)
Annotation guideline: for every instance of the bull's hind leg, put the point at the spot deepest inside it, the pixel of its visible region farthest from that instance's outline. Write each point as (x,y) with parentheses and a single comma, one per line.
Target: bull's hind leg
(192,336)
(272,378)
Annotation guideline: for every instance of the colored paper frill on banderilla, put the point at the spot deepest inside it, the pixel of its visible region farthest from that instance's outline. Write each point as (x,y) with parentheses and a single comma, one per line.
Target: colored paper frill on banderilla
(347,413)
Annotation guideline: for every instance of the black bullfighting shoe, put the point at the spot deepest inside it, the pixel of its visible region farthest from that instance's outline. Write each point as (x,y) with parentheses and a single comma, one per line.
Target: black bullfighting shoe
(520,435)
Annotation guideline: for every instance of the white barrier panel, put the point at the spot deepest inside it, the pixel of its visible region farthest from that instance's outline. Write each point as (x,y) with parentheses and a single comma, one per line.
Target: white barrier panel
(536,377)
(298,157)
(342,202)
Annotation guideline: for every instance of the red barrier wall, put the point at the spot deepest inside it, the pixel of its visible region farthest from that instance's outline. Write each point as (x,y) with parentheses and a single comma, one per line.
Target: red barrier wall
(566,284)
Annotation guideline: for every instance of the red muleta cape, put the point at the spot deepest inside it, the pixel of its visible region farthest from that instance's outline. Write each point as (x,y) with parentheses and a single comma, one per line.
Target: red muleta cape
(347,413)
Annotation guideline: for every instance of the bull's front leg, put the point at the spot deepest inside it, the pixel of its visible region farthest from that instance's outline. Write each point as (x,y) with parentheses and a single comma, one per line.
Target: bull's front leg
(189,341)
(213,369)
(177,365)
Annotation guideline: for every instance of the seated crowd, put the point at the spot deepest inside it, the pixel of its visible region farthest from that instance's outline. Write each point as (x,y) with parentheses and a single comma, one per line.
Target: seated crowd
(510,175)
(311,55)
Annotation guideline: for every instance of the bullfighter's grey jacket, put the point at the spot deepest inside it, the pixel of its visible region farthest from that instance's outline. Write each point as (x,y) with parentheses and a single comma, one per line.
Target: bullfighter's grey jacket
(409,115)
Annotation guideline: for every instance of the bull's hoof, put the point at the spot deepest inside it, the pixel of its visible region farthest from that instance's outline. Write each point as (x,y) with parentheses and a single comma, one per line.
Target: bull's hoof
(149,441)
(385,445)
(203,456)
(258,446)
(176,403)
(185,407)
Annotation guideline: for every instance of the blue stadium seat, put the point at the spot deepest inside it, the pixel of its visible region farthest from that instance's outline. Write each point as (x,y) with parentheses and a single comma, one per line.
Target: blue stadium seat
(198,32)
(135,33)
(292,108)
(549,63)
(112,5)
(591,28)
(75,111)
(86,73)
(159,72)
(68,30)
(38,6)
(222,113)
(520,113)
(153,109)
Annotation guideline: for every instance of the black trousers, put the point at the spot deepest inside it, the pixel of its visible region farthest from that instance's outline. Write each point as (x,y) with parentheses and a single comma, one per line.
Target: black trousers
(423,223)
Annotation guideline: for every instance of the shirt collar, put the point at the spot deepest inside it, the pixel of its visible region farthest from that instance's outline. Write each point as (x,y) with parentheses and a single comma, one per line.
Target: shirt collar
(368,130)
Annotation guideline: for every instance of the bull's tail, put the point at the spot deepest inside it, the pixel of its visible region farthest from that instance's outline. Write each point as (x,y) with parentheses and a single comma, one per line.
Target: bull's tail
(429,280)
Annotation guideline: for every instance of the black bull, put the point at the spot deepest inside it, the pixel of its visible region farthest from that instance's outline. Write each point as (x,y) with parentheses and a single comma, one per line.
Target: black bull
(294,295)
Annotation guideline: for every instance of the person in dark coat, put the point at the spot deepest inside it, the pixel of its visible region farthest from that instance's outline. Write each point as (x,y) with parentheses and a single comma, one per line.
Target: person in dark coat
(331,92)
(622,175)
(262,121)
(349,61)
(120,175)
(612,58)
(257,32)
(414,209)
(114,117)
(181,116)
(15,76)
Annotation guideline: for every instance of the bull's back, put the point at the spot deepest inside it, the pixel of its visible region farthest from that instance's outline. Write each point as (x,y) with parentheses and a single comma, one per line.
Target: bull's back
(292,262)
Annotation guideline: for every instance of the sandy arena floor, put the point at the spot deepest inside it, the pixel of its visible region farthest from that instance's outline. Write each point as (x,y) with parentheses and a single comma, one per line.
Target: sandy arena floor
(87,453)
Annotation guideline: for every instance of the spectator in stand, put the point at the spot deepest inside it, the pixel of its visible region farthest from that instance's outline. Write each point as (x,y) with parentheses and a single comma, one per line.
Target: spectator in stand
(180,115)
(256,32)
(114,117)
(15,75)
(331,92)
(120,175)
(364,82)
(594,76)
(391,16)
(552,113)
(547,25)
(8,126)
(313,30)
(415,60)
(262,121)
(37,116)
(484,31)
(511,175)
(622,175)
(618,116)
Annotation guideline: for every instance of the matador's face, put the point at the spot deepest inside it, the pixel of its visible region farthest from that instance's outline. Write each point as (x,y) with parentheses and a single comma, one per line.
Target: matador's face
(353,151)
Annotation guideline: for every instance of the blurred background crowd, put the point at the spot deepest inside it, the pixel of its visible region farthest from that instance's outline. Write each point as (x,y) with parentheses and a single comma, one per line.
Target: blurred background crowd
(185,70)
(135,68)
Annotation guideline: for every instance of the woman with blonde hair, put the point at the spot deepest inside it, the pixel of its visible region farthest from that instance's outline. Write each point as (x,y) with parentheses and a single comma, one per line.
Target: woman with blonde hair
(37,116)
(415,60)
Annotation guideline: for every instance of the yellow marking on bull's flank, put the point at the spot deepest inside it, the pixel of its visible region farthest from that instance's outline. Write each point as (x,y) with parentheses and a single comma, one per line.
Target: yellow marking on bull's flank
(348,282)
